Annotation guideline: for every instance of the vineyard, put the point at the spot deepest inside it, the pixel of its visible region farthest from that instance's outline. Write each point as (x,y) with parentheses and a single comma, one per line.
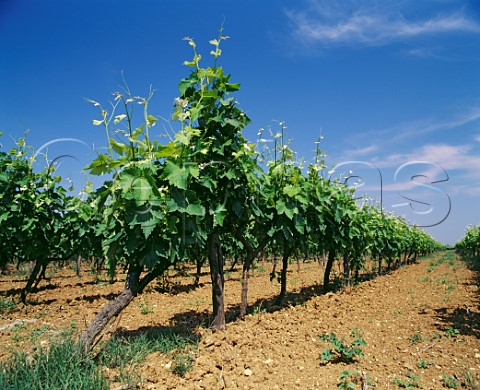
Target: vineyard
(148,257)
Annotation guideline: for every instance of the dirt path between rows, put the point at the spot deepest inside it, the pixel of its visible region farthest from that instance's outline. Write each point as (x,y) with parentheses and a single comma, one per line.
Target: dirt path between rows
(423,319)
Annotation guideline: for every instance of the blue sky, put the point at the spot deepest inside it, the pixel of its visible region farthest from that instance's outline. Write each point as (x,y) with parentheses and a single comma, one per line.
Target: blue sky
(393,86)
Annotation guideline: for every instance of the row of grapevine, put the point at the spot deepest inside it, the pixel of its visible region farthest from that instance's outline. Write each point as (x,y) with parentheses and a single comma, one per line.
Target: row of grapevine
(469,244)
(39,222)
(202,195)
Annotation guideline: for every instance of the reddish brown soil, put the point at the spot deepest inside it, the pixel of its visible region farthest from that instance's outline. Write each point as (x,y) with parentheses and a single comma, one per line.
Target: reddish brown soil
(416,312)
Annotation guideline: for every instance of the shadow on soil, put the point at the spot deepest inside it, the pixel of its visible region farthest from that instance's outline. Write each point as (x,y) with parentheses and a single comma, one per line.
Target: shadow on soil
(464,319)
(175,288)
(95,297)
(17,291)
(193,319)
(88,298)
(461,319)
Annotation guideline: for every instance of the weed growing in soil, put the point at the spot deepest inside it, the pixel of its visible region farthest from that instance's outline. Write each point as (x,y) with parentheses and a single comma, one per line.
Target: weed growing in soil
(449,284)
(258,309)
(451,332)
(124,352)
(39,332)
(58,367)
(128,378)
(61,366)
(16,330)
(449,381)
(450,287)
(341,351)
(6,305)
(349,379)
(436,336)
(417,337)
(182,363)
(421,363)
(134,348)
(469,380)
(433,265)
(145,308)
(412,382)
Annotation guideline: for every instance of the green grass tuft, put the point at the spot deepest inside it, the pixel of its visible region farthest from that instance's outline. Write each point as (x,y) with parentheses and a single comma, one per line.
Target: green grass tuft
(58,367)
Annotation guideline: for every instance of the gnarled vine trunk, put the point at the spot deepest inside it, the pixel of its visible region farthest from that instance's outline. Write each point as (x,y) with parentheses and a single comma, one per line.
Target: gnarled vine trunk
(199,264)
(251,255)
(111,310)
(134,286)
(244,303)
(346,269)
(35,277)
(78,268)
(215,259)
(328,270)
(283,276)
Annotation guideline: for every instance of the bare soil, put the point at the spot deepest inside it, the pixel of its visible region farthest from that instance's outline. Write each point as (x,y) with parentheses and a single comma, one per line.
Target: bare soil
(426,314)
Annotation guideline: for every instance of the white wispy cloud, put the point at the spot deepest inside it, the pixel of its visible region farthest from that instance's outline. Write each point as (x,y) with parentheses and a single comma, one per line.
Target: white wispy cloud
(461,163)
(362,152)
(368,23)
(389,142)
(432,161)
(425,126)
(428,52)
(449,157)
